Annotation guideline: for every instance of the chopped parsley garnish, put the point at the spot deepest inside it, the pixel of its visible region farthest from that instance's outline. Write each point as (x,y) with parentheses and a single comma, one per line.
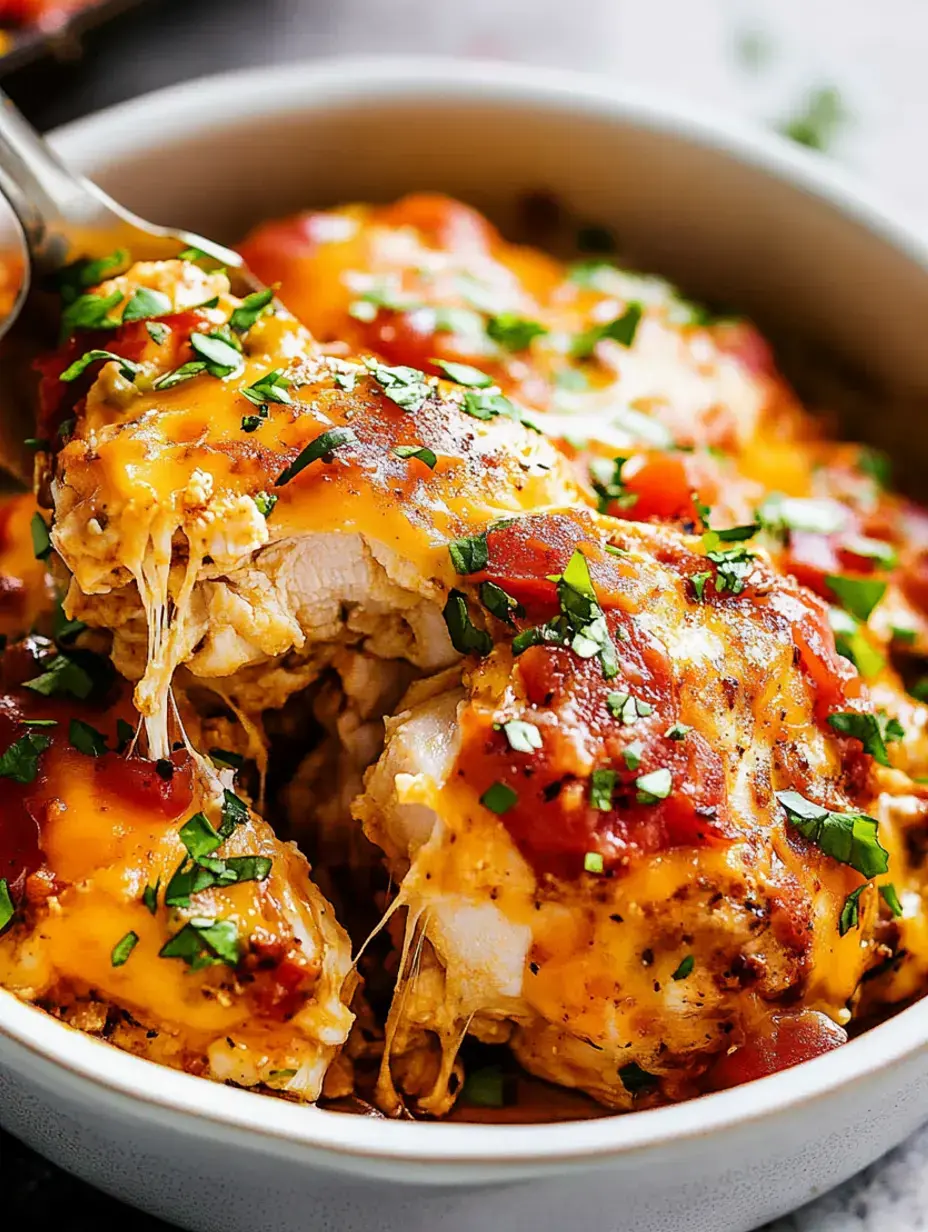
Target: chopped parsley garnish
(859,596)
(86,739)
(523,737)
(265,502)
(677,731)
(852,643)
(7,910)
(193,254)
(470,554)
(122,949)
(221,356)
(850,838)
(891,898)
(199,837)
(317,450)
(485,1088)
(81,275)
(850,912)
(407,387)
(90,312)
(627,708)
(184,373)
(487,406)
(632,754)
(622,330)
(593,863)
(636,1080)
(874,731)
(818,122)
(606,478)
(466,638)
(234,813)
(41,540)
(150,897)
(126,367)
(602,786)
(732,567)
(225,759)
(464,374)
(781,513)
(685,968)
(654,786)
(876,465)
(157,331)
(499,604)
(251,307)
(730,534)
(201,871)
(513,332)
(20,762)
(39,722)
(499,798)
(146,303)
(272,387)
(204,943)
(583,620)
(878,550)
(63,677)
(420,452)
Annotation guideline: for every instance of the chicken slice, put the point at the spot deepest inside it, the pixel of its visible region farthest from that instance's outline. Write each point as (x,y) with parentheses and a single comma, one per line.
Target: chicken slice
(146,902)
(616,836)
(229,496)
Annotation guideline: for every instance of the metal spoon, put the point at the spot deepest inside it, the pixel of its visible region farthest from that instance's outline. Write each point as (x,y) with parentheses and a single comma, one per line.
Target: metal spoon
(64,218)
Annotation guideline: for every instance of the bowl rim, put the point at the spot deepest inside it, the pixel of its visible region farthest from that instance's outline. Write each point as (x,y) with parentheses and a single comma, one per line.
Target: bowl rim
(197,106)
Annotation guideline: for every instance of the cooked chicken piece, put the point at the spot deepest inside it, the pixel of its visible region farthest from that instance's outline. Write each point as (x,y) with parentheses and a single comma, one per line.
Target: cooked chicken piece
(664,406)
(629,834)
(229,495)
(144,900)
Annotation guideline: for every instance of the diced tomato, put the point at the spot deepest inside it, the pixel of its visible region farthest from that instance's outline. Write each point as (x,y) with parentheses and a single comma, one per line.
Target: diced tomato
(784,1040)
(662,487)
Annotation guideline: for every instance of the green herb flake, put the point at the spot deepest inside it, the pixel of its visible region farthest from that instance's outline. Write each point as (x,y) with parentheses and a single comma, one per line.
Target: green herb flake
(859,596)
(250,309)
(879,551)
(850,912)
(891,899)
(63,677)
(150,897)
(849,838)
(185,372)
(81,275)
(265,502)
(122,949)
(874,731)
(199,837)
(203,943)
(780,514)
(126,367)
(499,799)
(485,1088)
(469,555)
(632,754)
(875,465)
(157,331)
(41,540)
(499,604)
(224,759)
(523,737)
(272,387)
(685,968)
(621,330)
(146,303)
(654,786)
(90,312)
(627,708)
(466,638)
(86,739)
(407,387)
(419,452)
(512,332)
(853,644)
(817,123)
(234,813)
(7,910)
(698,582)
(463,374)
(20,762)
(677,731)
(602,786)
(318,450)
(593,863)
(221,356)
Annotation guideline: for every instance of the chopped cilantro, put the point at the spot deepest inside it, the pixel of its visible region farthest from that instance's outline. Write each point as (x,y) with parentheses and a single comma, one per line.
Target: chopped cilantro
(632,754)
(317,450)
(150,897)
(126,367)
(157,331)
(265,502)
(602,786)
(224,759)
(859,596)
(20,762)
(419,452)
(499,798)
(86,739)
(407,387)
(184,373)
(606,478)
(272,387)
(221,356)
(487,406)
(469,555)
(63,677)
(874,731)
(463,374)
(499,604)
(204,943)
(122,949)
(685,968)
(677,731)
(466,638)
(850,838)
(654,786)
(90,312)
(850,912)
(852,643)
(513,332)
(81,275)
(627,708)
(250,309)
(622,330)
(146,303)
(891,898)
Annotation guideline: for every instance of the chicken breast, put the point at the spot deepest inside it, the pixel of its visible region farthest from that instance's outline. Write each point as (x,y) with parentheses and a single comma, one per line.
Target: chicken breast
(228,495)
(144,901)
(629,836)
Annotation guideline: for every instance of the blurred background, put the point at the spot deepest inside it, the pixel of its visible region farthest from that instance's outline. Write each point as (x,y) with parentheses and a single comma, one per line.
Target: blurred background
(846,77)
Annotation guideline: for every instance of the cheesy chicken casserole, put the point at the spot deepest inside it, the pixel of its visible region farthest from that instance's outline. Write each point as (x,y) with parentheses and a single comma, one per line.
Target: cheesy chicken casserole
(528,601)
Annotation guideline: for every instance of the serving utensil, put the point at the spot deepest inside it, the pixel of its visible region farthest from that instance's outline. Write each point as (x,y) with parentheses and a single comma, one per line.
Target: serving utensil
(63,218)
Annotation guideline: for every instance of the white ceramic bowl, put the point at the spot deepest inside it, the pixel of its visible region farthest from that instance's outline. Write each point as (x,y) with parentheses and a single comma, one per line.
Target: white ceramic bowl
(734,214)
